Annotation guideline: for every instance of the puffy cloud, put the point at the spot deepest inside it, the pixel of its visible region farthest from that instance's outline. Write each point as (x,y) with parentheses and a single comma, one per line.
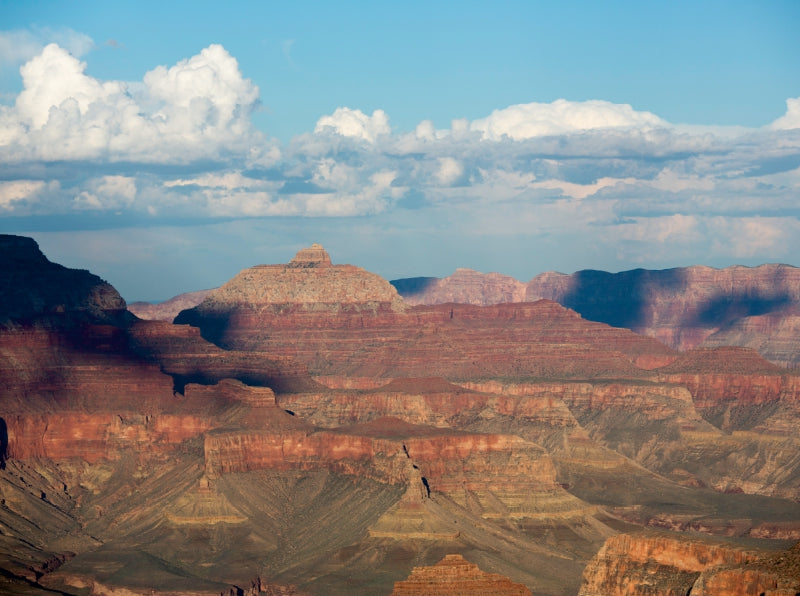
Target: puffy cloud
(526,121)
(355,123)
(197,109)
(450,171)
(107,192)
(791,119)
(55,78)
(593,176)
(19,190)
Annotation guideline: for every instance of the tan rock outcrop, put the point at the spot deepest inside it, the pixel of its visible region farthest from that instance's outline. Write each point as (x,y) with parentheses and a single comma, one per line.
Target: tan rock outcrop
(455,575)
(665,565)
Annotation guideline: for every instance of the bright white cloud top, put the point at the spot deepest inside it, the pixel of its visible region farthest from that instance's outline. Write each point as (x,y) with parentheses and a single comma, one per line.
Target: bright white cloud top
(181,144)
(192,110)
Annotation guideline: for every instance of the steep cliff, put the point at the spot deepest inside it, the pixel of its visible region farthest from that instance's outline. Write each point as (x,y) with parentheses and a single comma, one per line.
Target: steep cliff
(660,564)
(31,287)
(139,457)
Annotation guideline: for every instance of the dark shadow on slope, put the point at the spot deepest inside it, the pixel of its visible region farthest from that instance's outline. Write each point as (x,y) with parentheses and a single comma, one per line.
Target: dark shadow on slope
(213,326)
(3,443)
(411,286)
(619,299)
(723,310)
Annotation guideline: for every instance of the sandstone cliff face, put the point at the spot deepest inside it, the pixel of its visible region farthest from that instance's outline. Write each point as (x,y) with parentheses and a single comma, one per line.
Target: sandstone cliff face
(450,462)
(683,308)
(663,565)
(455,575)
(188,358)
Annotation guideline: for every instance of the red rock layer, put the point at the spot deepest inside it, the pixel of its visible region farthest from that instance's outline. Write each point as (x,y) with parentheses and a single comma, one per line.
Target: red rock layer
(737,381)
(539,339)
(454,575)
(450,461)
(181,352)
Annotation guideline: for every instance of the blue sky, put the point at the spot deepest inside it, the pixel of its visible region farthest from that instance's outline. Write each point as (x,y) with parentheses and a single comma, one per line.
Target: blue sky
(165,146)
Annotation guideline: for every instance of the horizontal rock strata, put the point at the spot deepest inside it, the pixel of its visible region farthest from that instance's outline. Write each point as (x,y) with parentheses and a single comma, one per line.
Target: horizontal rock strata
(455,575)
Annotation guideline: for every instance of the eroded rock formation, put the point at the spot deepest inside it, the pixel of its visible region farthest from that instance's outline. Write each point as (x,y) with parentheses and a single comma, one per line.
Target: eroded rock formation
(339,320)
(455,575)
(684,308)
(663,565)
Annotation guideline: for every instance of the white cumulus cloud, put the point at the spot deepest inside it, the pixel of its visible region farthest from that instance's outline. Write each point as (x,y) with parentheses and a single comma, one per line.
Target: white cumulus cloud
(196,109)
(355,123)
(525,121)
(791,119)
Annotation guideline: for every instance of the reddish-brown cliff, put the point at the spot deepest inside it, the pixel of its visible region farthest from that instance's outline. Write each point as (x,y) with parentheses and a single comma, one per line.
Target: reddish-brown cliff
(683,307)
(457,576)
(184,354)
(450,461)
(665,565)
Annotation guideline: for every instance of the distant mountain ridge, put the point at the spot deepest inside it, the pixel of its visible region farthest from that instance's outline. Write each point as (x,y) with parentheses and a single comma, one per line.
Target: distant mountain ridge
(685,308)
(31,286)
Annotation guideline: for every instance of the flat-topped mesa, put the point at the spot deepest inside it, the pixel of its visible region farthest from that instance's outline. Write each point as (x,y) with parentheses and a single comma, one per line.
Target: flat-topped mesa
(309,282)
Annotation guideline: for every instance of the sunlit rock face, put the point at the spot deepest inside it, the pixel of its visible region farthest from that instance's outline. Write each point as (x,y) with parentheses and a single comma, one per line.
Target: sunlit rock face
(665,565)
(309,282)
(684,308)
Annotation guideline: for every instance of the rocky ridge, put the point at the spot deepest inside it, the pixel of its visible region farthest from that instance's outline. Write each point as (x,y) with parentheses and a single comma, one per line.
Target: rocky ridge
(684,308)
(664,565)
(33,287)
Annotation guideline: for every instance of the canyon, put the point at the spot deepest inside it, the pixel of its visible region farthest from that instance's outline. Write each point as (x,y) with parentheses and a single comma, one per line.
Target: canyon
(684,308)
(306,429)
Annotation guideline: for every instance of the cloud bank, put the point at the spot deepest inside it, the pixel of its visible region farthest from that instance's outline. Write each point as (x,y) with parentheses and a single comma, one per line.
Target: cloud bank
(181,143)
